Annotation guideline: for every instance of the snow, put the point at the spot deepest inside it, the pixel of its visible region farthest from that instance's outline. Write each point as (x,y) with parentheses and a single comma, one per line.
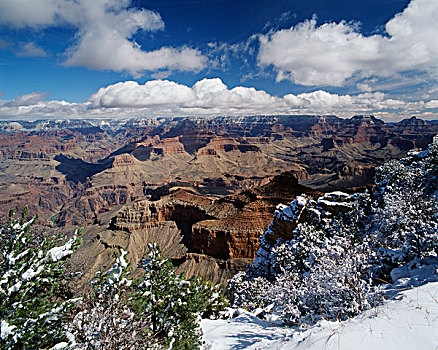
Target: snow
(59,346)
(281,207)
(6,329)
(337,194)
(408,322)
(415,273)
(11,259)
(419,154)
(292,211)
(335,199)
(16,287)
(30,273)
(59,253)
(333,203)
(116,272)
(122,260)
(243,332)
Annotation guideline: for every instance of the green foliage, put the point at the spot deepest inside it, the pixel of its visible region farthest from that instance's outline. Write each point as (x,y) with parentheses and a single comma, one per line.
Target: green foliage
(103,319)
(32,302)
(173,304)
(160,310)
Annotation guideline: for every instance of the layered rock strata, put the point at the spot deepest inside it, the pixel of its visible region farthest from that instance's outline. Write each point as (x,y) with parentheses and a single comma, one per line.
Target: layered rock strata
(203,235)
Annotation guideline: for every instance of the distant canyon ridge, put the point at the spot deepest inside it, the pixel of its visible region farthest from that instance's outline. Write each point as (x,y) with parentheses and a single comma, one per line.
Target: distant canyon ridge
(204,188)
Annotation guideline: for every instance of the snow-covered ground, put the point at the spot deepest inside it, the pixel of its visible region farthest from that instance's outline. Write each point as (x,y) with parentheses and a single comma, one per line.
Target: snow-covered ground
(410,321)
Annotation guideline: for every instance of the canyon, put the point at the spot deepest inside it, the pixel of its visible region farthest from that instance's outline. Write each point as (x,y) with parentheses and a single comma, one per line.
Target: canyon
(204,188)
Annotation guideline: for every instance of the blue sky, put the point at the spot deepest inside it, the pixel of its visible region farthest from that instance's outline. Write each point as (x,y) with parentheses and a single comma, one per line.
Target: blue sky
(108,58)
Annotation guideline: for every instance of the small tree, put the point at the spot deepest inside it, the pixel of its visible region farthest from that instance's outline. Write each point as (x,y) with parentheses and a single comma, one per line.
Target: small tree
(103,319)
(335,286)
(173,304)
(159,310)
(31,306)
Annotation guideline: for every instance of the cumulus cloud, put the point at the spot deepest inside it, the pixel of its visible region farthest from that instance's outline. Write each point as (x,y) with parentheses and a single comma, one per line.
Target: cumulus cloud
(332,53)
(30,13)
(132,94)
(212,96)
(204,94)
(49,110)
(214,93)
(432,104)
(104,42)
(105,30)
(30,49)
(27,99)
(208,97)
(318,99)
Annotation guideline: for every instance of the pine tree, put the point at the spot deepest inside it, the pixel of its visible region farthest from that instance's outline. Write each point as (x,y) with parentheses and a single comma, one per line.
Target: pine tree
(406,209)
(322,271)
(103,319)
(32,309)
(173,304)
(159,310)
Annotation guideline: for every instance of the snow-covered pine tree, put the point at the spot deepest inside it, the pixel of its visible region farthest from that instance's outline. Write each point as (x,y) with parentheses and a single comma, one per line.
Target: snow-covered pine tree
(321,271)
(103,319)
(31,306)
(406,209)
(334,284)
(173,304)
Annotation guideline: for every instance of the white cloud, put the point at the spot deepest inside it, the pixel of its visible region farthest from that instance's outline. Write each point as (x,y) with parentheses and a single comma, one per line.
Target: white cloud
(205,94)
(152,93)
(318,99)
(105,30)
(48,110)
(30,13)
(27,99)
(211,93)
(364,87)
(209,97)
(224,55)
(310,55)
(161,74)
(212,96)
(331,53)
(104,43)
(432,104)
(30,49)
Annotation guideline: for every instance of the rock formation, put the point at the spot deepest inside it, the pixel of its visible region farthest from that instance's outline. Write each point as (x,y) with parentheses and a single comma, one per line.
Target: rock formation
(203,235)
(205,188)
